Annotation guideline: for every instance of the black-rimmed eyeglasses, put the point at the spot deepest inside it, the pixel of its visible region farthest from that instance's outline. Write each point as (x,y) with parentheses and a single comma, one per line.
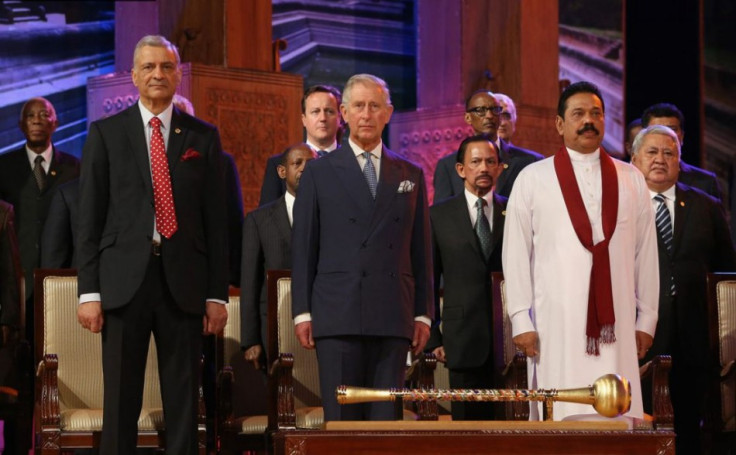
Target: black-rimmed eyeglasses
(481,111)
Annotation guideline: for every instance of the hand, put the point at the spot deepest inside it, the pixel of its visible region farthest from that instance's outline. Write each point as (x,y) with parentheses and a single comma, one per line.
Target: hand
(303,332)
(643,343)
(253,355)
(527,343)
(421,336)
(439,354)
(89,314)
(214,319)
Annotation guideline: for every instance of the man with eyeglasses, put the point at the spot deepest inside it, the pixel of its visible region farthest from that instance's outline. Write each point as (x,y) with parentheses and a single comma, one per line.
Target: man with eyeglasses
(467,232)
(482,111)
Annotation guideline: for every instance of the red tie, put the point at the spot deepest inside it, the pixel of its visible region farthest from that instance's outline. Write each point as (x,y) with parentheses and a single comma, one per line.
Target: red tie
(162,195)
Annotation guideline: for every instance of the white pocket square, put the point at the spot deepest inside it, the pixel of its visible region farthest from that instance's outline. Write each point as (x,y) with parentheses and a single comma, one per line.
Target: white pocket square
(407,186)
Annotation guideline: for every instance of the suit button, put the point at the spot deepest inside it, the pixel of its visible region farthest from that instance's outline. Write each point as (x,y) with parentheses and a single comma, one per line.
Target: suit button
(390,246)
(397,219)
(392,274)
(352,220)
(364,245)
(365,273)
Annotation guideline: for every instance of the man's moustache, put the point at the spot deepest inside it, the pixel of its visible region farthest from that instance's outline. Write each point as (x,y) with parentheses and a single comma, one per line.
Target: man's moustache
(588,127)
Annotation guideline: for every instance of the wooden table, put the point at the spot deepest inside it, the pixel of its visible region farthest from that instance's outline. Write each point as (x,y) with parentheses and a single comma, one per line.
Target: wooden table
(472,438)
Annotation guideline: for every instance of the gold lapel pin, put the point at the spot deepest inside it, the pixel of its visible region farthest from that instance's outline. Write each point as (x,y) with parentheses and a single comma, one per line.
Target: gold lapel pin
(682,203)
(505,166)
(53,173)
(503,213)
(177,131)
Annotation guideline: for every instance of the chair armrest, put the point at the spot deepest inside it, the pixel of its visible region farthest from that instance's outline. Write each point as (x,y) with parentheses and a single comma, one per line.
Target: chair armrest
(281,413)
(662,412)
(48,399)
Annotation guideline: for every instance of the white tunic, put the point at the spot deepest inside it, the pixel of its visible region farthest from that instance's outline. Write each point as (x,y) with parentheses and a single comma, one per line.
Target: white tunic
(547,273)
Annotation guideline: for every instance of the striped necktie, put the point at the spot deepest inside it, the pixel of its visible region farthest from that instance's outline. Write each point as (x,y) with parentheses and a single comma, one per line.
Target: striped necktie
(663,221)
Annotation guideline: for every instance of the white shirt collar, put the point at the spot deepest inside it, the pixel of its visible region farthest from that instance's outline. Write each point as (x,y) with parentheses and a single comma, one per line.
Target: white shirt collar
(46,154)
(164,116)
(376,152)
(472,199)
(577,156)
(332,146)
(289,199)
(669,193)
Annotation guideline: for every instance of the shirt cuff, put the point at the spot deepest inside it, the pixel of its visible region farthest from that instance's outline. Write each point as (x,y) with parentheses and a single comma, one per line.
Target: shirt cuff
(217,301)
(521,323)
(91,297)
(304,317)
(424,319)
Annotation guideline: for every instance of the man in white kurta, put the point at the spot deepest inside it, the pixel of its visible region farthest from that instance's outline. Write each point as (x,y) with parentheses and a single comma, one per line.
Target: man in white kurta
(547,269)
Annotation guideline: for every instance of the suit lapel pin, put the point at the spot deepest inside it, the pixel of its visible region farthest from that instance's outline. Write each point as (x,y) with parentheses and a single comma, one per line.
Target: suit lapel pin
(505,165)
(503,213)
(53,173)
(177,131)
(682,203)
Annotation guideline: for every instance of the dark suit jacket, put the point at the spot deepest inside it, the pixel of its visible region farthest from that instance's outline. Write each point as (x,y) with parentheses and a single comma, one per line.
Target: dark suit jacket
(10,269)
(466,319)
(59,232)
(117,212)
(447,183)
(701,244)
(31,205)
(234,218)
(701,179)
(266,246)
(361,267)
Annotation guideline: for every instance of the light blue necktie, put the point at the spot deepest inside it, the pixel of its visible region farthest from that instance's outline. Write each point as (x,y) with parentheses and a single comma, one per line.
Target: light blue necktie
(369,171)
(664,227)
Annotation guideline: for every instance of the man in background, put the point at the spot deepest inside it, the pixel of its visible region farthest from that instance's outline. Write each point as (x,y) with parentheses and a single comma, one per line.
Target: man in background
(323,125)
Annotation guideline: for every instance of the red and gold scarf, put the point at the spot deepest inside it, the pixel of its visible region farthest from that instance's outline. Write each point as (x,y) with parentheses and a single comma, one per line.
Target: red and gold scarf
(601,317)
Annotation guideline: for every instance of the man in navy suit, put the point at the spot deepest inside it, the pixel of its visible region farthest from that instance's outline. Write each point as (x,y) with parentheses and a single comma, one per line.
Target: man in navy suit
(693,240)
(152,249)
(361,257)
(323,126)
(670,116)
(267,246)
(482,111)
(466,243)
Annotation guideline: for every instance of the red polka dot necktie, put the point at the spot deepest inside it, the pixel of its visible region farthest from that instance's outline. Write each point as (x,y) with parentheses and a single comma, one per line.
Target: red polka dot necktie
(162,195)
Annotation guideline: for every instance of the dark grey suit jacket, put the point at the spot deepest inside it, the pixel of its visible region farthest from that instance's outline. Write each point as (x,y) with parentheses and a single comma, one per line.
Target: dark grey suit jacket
(273,187)
(10,269)
(117,212)
(59,233)
(701,179)
(467,334)
(361,266)
(447,183)
(701,244)
(266,246)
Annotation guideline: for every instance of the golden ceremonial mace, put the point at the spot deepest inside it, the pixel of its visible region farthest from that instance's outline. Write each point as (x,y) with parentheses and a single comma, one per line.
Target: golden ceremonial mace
(610,395)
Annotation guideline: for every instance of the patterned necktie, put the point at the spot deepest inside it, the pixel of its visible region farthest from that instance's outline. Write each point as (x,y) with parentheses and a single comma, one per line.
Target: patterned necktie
(664,227)
(369,171)
(38,173)
(483,228)
(321,153)
(162,195)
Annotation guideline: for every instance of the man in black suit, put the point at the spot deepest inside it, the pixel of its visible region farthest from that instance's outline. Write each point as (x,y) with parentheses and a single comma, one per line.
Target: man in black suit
(670,116)
(267,246)
(152,249)
(467,248)
(699,243)
(29,178)
(482,111)
(323,125)
(58,239)
(361,257)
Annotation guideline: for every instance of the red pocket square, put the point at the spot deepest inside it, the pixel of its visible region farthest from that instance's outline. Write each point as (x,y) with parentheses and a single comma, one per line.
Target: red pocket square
(190,154)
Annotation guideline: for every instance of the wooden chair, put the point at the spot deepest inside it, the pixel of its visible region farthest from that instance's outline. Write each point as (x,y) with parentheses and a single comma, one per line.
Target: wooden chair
(69,387)
(720,422)
(242,420)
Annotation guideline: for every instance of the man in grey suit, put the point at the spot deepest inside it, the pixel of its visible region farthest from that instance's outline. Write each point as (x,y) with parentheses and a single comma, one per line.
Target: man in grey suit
(152,249)
(482,111)
(267,246)
(467,232)
(361,257)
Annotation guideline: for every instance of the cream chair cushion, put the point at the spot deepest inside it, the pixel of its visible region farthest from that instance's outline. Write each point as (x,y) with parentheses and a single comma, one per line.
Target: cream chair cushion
(80,363)
(726,292)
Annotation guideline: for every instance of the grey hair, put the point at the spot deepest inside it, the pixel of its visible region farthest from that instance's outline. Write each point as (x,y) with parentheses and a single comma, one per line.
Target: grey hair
(34,100)
(365,79)
(183,104)
(505,99)
(654,129)
(155,41)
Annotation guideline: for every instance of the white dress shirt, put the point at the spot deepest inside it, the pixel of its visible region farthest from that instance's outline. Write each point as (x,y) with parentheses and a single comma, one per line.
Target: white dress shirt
(46,154)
